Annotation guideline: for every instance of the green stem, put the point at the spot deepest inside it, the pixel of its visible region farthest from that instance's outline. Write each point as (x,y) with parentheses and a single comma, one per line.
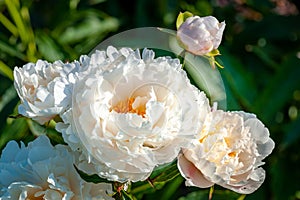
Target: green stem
(242,197)
(211,191)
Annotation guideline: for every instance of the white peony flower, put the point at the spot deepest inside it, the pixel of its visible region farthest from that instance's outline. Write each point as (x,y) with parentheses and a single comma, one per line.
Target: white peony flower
(228,152)
(200,35)
(41,171)
(43,89)
(132,113)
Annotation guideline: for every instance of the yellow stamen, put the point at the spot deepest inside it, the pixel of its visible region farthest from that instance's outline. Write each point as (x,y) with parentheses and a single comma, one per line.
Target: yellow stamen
(202,139)
(232,154)
(126,107)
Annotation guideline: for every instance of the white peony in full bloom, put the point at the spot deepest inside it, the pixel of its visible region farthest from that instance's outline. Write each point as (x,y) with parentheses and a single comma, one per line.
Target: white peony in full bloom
(41,171)
(131,113)
(44,88)
(200,35)
(228,152)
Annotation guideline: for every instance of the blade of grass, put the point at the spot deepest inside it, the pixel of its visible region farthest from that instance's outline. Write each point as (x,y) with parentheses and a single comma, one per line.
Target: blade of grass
(10,26)
(31,50)
(9,94)
(6,71)
(11,51)
(14,10)
(265,57)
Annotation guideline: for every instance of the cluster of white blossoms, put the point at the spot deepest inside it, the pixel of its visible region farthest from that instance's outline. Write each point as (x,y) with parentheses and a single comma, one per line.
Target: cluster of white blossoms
(124,112)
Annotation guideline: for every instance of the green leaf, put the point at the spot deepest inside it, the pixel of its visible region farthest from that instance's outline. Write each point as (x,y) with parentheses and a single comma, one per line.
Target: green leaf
(48,47)
(159,177)
(94,178)
(182,17)
(284,174)
(291,135)
(205,78)
(171,187)
(90,25)
(126,196)
(17,130)
(199,195)
(11,50)
(7,97)
(122,195)
(9,100)
(217,195)
(145,187)
(164,173)
(49,130)
(36,128)
(279,90)
(240,82)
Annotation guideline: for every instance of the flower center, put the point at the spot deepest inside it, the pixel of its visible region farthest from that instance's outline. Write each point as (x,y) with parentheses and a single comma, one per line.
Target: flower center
(232,154)
(131,105)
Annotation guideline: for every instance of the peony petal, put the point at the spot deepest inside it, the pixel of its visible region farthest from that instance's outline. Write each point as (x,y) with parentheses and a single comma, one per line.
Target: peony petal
(255,181)
(193,176)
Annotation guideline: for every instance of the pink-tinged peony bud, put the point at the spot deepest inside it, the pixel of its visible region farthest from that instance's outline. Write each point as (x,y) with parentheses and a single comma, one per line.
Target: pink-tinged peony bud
(200,35)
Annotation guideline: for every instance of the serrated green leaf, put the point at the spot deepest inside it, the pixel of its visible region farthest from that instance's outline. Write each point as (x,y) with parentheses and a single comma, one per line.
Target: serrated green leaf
(182,17)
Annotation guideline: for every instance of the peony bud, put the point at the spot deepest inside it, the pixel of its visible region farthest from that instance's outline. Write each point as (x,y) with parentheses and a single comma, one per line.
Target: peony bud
(200,35)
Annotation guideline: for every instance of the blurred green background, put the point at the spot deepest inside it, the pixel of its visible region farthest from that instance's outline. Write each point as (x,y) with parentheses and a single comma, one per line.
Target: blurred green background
(260,52)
